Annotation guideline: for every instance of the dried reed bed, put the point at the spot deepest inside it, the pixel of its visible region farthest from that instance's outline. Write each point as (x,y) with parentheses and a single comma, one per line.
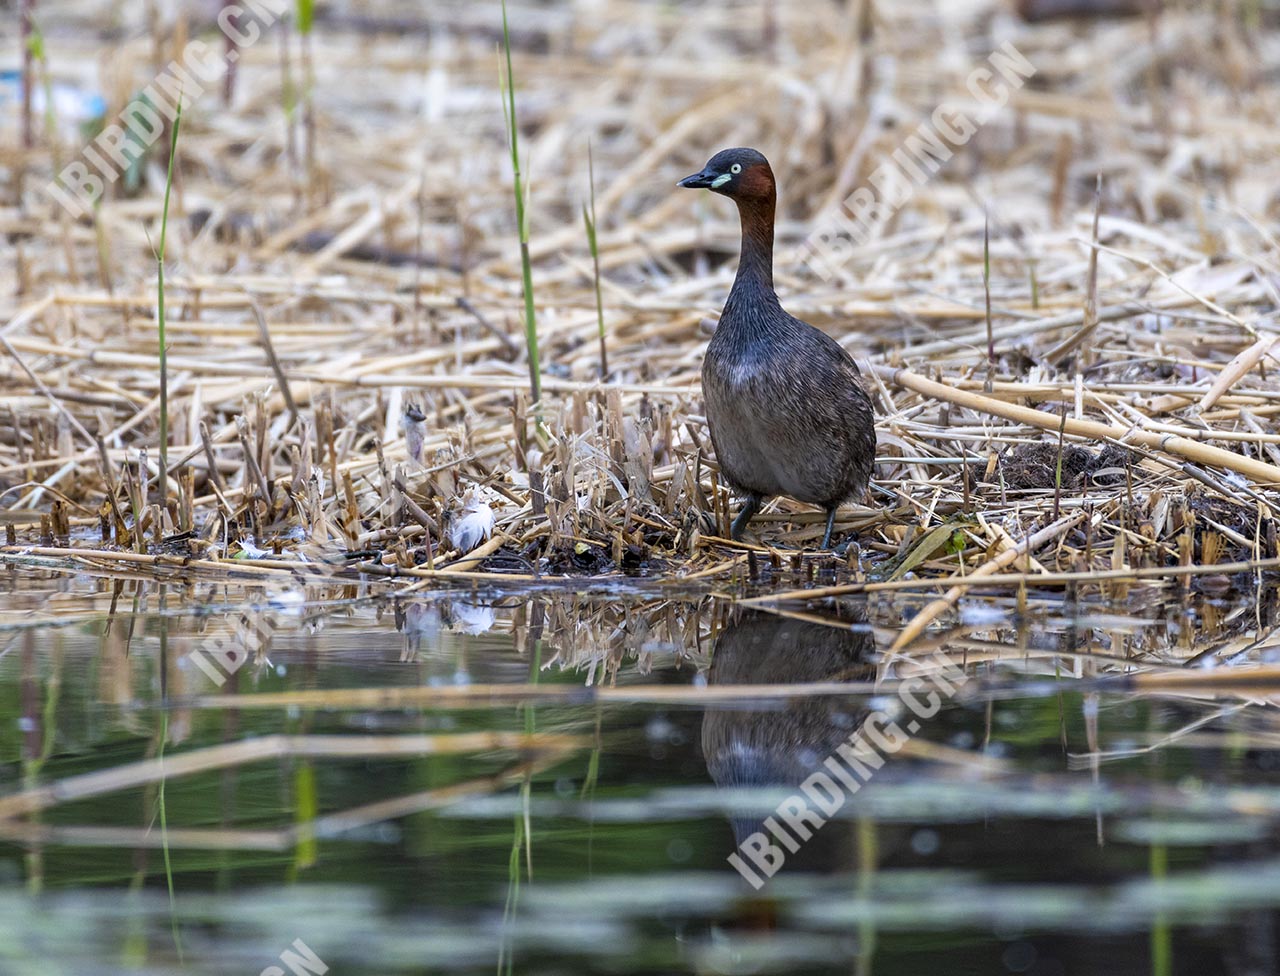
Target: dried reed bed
(347,376)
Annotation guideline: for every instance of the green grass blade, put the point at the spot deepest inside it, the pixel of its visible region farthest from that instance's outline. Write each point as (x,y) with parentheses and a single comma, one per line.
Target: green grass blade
(590,220)
(522,219)
(163,483)
(164,828)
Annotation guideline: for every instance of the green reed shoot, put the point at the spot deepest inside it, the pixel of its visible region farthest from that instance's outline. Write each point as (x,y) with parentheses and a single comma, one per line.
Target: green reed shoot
(1161,930)
(306,19)
(522,219)
(306,16)
(32,48)
(162,809)
(589,219)
(163,483)
(36,59)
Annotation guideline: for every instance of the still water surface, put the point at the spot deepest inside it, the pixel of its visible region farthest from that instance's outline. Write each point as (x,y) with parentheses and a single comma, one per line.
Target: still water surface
(1054,815)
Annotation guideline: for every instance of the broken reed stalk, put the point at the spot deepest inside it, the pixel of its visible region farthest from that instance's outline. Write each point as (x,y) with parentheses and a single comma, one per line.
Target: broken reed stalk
(1258,471)
(111,560)
(935,609)
(1240,365)
(285,839)
(229,9)
(163,480)
(522,220)
(1261,678)
(476,696)
(135,774)
(986,292)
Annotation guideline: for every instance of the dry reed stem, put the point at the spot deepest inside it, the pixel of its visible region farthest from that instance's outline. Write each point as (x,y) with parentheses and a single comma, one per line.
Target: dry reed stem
(481,695)
(1262,680)
(1259,471)
(920,621)
(177,765)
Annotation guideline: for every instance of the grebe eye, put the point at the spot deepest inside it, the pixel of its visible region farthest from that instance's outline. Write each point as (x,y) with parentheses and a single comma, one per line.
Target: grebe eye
(735,168)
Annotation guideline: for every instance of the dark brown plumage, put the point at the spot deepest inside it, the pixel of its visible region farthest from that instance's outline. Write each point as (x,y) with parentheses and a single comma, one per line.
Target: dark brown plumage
(784,401)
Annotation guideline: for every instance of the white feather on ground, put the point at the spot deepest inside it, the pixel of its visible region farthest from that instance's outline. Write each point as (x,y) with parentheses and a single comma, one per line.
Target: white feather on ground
(474,525)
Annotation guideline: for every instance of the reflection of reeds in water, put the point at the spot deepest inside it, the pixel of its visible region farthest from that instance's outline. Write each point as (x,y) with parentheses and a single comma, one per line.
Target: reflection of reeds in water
(598,637)
(550,748)
(756,730)
(605,636)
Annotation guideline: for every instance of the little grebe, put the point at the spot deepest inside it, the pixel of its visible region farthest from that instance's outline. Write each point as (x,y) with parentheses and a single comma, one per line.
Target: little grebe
(784,401)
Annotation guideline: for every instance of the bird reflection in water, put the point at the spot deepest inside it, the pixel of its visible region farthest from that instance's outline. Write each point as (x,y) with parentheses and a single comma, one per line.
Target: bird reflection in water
(783,743)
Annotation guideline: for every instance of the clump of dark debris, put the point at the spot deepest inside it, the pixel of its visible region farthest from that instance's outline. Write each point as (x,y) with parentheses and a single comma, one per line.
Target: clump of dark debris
(1031,466)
